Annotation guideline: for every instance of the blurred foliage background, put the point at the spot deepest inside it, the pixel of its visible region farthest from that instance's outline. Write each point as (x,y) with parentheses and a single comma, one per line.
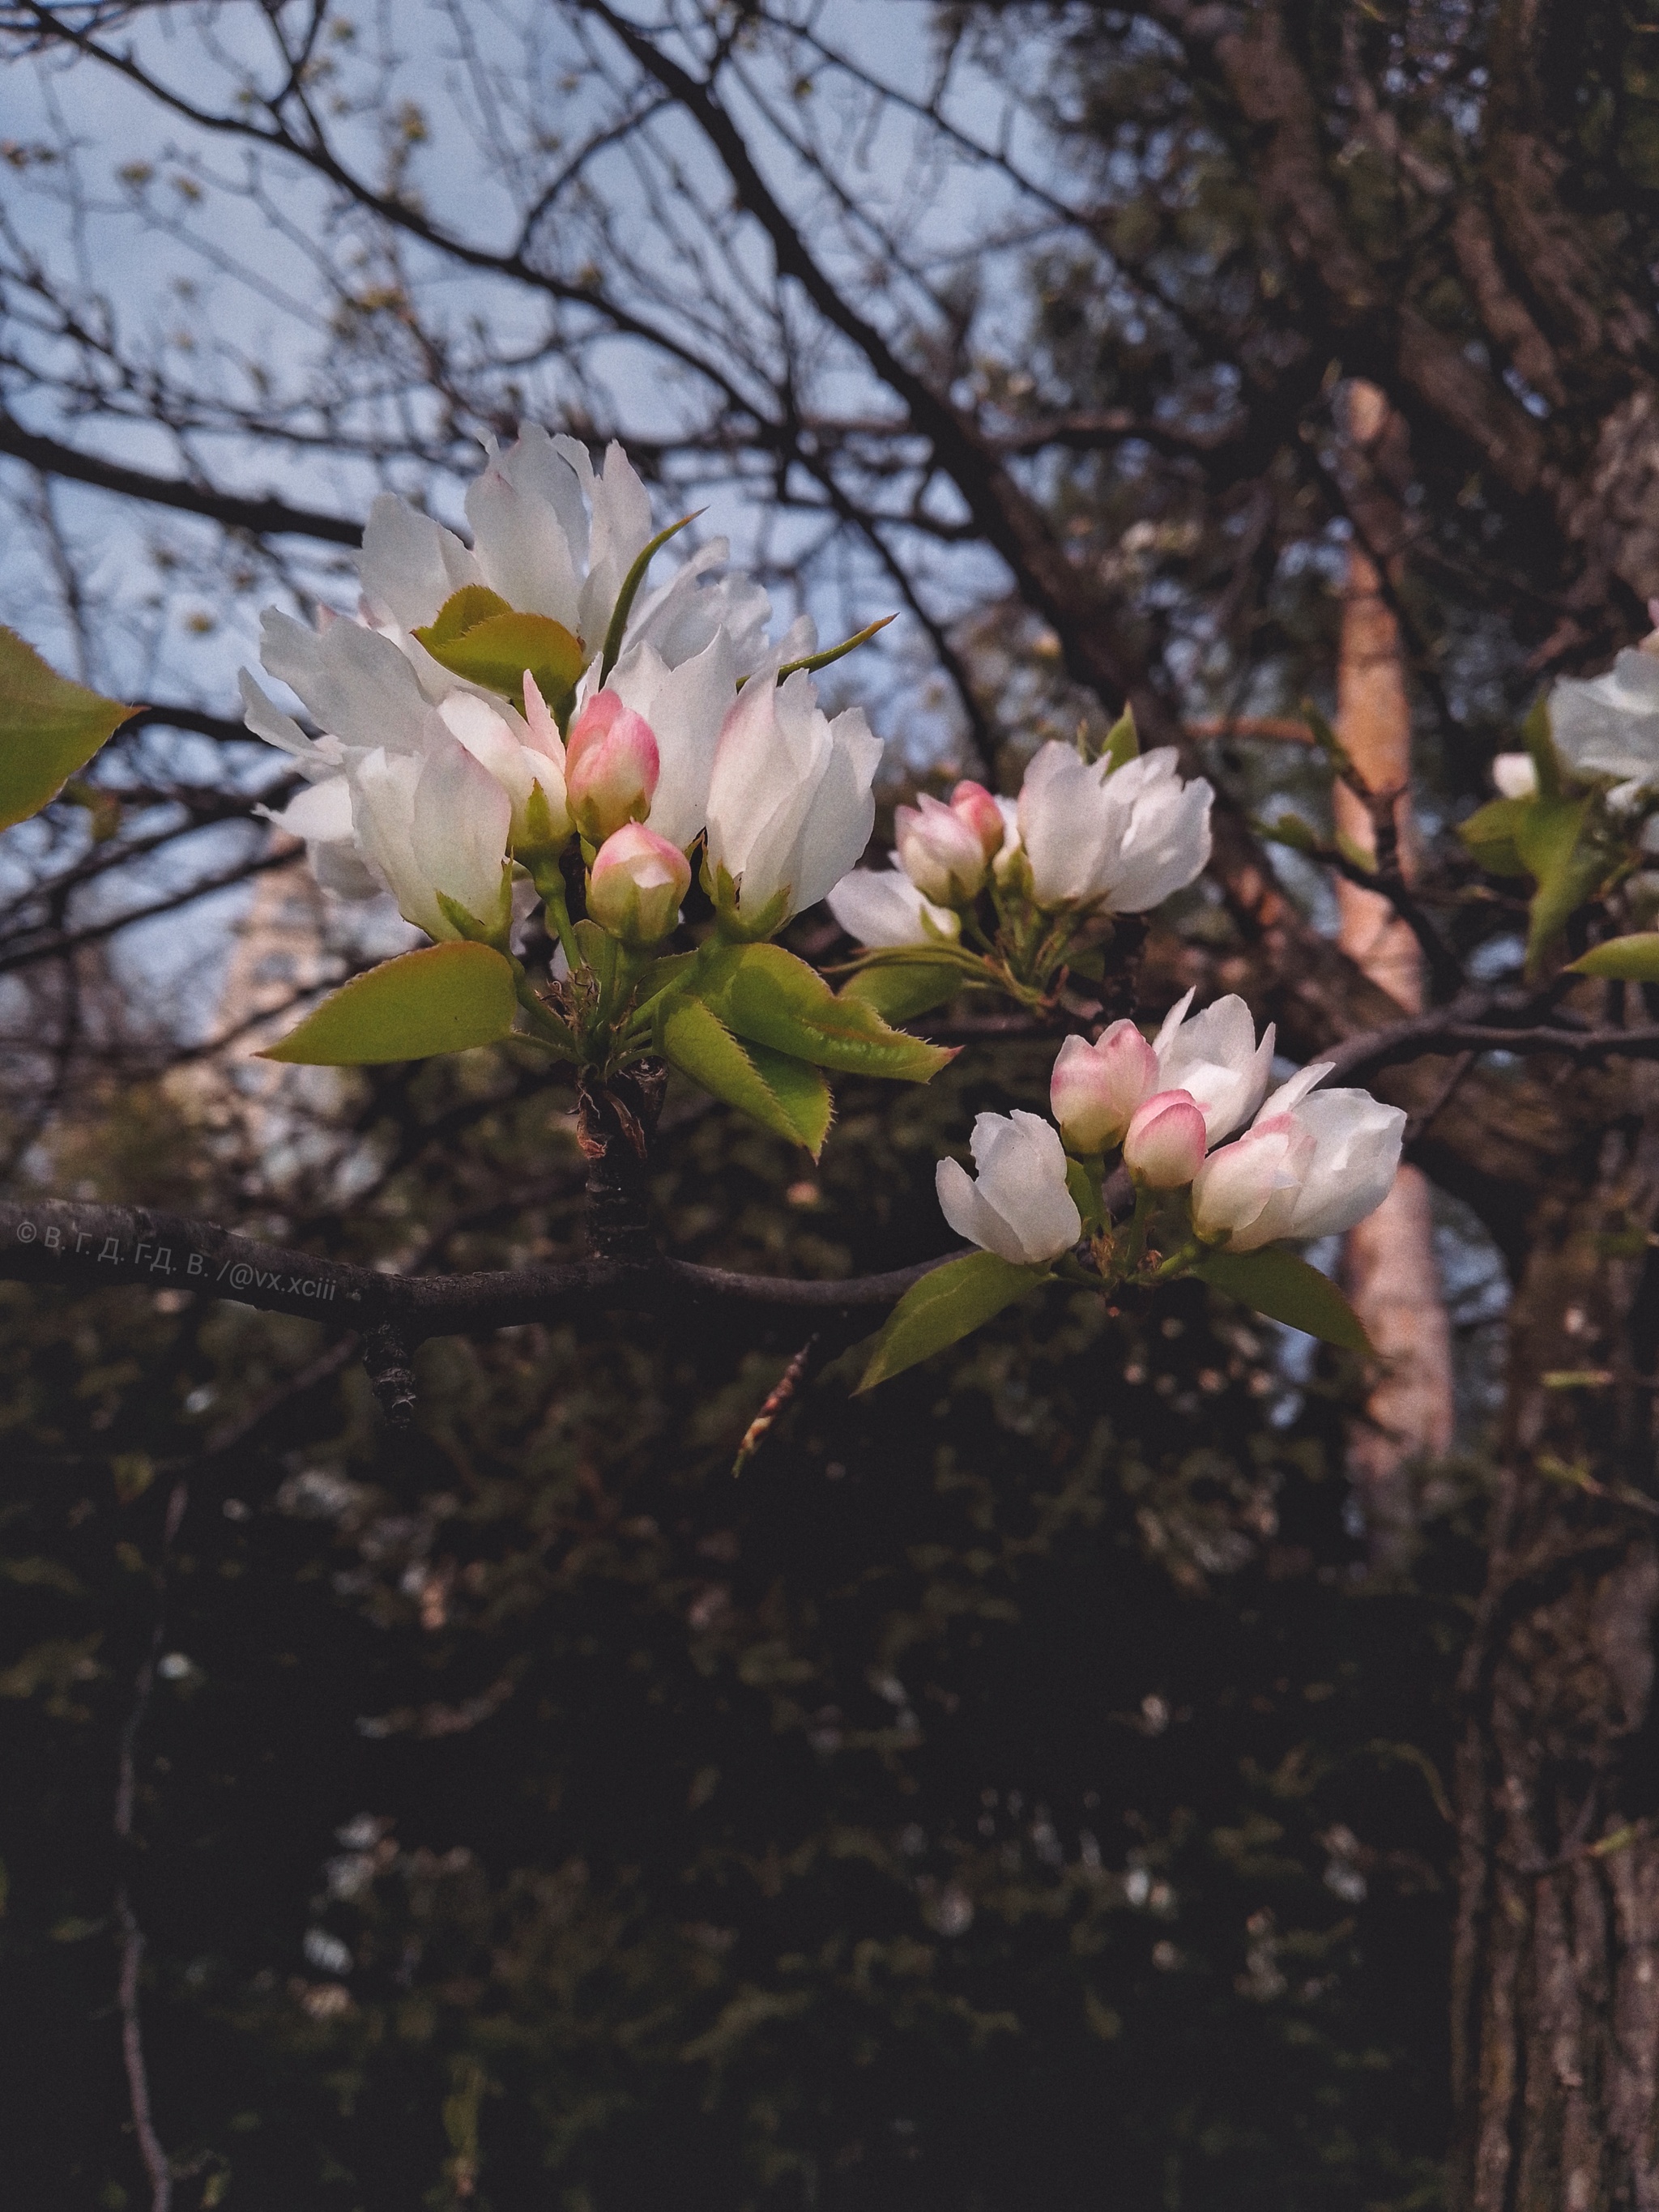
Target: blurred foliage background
(1008,1790)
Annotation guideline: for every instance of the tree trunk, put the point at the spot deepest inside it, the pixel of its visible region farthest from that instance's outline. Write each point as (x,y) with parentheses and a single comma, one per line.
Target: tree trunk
(1388,1265)
(1556,1970)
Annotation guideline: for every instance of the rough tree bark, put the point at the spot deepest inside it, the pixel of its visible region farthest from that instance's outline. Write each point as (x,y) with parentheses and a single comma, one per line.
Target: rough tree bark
(1556,1970)
(1388,1264)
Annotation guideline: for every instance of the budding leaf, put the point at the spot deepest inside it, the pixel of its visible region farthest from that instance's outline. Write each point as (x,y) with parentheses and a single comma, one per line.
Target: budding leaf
(1564,863)
(477,635)
(49,728)
(944,1306)
(1623,959)
(782,1094)
(765,994)
(900,990)
(445,998)
(1285,1288)
(1491,832)
(1540,745)
(1122,741)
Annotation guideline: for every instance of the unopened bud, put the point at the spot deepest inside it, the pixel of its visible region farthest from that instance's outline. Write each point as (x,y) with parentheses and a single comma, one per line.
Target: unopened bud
(971,803)
(636,885)
(611,766)
(1515,776)
(1095,1088)
(1164,1147)
(941,851)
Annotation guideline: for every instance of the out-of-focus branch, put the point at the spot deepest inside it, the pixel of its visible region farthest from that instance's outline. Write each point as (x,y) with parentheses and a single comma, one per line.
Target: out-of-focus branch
(267,518)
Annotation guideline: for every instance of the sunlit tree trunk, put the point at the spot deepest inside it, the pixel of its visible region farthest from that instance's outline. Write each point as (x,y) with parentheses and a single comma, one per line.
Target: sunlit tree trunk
(1389,1263)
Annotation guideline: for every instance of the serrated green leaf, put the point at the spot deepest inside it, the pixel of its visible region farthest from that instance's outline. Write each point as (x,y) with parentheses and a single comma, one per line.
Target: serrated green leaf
(49,728)
(764,993)
(944,1306)
(1623,959)
(1490,834)
(445,998)
(782,1094)
(1122,741)
(1285,1288)
(473,603)
(477,635)
(899,991)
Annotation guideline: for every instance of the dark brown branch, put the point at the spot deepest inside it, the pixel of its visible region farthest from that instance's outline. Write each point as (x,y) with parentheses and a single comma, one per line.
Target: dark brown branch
(264,518)
(84,1246)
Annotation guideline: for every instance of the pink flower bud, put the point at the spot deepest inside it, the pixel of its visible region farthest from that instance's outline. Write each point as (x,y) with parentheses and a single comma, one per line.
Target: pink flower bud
(1095,1088)
(972,804)
(637,883)
(611,766)
(941,851)
(1165,1145)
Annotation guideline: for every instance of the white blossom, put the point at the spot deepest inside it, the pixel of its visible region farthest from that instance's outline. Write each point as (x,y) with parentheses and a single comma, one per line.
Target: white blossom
(1019,1207)
(1123,840)
(1216,1058)
(881,907)
(790,802)
(1609,726)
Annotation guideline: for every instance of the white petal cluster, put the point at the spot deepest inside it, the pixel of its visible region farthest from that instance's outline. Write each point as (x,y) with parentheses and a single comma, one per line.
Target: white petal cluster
(551,538)
(790,802)
(1214,1058)
(1019,1206)
(1308,1166)
(1120,840)
(881,907)
(1608,726)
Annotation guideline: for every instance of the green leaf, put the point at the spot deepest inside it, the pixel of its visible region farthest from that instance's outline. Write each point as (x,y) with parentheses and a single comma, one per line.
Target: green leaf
(1084,1180)
(1490,834)
(1291,829)
(783,1094)
(49,728)
(618,627)
(902,990)
(477,635)
(445,998)
(1535,737)
(1564,864)
(764,993)
(1327,739)
(817,661)
(945,1305)
(1122,741)
(473,603)
(1285,1288)
(1623,959)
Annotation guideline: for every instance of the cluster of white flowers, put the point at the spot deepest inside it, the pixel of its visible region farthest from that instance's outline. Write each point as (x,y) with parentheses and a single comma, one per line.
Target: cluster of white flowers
(1312,1162)
(424,781)
(443,758)
(1083,836)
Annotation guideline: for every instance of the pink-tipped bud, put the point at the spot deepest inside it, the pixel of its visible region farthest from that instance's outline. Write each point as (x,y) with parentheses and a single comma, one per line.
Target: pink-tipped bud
(611,766)
(1095,1088)
(972,804)
(941,851)
(1165,1145)
(636,885)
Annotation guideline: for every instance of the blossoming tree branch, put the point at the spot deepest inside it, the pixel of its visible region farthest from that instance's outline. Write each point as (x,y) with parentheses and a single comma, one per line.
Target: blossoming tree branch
(532,723)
